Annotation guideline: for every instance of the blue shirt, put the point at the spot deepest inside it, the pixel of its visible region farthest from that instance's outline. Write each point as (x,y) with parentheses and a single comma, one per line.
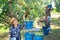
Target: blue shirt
(15,32)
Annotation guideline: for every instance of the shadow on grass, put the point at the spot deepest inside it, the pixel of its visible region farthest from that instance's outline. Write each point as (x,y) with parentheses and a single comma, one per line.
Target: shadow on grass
(54,35)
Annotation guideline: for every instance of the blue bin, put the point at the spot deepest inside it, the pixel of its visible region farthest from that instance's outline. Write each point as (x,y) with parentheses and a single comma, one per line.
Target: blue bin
(28,25)
(36,37)
(28,36)
(45,30)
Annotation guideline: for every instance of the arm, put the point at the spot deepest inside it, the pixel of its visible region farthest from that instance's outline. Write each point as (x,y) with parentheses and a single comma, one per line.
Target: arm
(42,20)
(21,26)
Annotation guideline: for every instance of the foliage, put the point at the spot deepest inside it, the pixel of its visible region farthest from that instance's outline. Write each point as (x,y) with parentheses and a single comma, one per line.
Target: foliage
(17,8)
(57,3)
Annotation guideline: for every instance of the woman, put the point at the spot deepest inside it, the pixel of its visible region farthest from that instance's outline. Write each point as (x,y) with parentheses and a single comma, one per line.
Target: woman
(15,30)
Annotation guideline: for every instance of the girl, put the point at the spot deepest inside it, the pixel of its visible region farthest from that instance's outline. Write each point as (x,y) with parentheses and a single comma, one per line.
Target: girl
(15,30)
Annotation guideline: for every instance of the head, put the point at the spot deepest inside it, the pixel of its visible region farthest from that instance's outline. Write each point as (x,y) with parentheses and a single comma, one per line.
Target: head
(14,21)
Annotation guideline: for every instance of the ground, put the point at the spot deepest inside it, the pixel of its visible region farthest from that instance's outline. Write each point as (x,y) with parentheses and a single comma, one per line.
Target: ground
(55,15)
(54,35)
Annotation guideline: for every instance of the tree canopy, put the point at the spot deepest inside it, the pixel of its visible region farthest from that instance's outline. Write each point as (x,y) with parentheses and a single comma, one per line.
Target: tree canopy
(17,8)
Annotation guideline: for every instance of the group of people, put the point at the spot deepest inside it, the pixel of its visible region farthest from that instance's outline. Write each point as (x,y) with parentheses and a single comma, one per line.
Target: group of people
(16,27)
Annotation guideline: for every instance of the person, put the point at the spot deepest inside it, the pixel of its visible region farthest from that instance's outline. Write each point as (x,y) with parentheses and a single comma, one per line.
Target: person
(48,9)
(15,30)
(46,28)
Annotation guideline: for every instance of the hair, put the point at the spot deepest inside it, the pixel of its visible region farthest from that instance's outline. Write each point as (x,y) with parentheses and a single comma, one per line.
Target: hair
(11,21)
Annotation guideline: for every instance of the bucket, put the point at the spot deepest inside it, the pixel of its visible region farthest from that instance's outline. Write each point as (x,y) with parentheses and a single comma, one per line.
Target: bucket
(28,25)
(37,37)
(28,36)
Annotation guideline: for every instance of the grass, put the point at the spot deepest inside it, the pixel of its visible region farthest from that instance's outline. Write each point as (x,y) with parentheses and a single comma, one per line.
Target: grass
(55,22)
(55,12)
(3,30)
(56,32)
(55,35)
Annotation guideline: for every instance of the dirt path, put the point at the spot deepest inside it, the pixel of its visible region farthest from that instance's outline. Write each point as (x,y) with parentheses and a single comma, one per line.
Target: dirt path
(55,15)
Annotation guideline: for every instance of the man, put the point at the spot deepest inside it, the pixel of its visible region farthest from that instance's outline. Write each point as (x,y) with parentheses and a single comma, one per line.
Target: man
(48,9)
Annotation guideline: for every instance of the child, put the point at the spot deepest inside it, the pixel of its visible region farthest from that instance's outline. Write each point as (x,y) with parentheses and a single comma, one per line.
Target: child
(48,9)
(15,30)
(46,28)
